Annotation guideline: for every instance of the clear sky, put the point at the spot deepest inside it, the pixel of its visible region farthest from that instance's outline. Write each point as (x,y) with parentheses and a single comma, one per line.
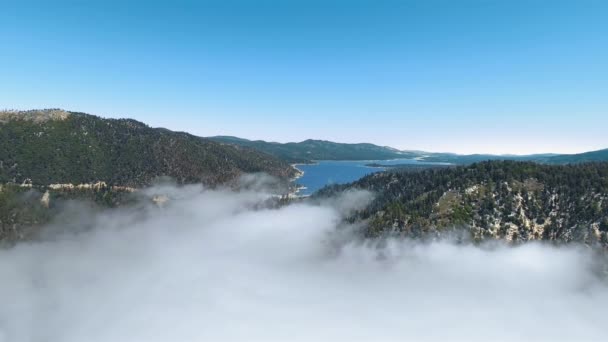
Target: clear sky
(460,76)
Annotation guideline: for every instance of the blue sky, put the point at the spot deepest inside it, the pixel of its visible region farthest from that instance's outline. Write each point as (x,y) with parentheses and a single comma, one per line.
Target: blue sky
(460,76)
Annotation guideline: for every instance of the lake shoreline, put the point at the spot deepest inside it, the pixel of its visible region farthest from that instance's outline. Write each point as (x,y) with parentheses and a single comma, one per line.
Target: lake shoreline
(293,192)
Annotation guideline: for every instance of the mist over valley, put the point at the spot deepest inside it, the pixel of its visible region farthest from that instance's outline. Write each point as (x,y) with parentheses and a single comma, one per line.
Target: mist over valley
(224,265)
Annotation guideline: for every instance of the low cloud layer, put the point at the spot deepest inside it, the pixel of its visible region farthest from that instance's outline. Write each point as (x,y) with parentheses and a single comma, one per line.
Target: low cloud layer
(212,266)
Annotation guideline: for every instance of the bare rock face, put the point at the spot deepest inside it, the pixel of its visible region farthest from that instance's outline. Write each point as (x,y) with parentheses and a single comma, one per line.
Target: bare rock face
(37,115)
(46,199)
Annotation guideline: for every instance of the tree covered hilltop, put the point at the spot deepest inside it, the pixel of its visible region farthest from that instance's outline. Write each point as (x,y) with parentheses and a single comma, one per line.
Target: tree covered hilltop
(506,200)
(55,146)
(49,157)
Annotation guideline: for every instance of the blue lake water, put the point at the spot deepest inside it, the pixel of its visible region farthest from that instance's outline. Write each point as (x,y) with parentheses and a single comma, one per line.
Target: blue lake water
(327,172)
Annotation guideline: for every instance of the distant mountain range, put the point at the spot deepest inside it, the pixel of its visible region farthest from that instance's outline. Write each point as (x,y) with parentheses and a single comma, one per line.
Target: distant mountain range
(56,146)
(310,150)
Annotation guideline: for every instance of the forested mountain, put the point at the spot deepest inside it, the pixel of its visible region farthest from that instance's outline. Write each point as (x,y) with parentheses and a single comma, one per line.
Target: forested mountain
(55,146)
(310,150)
(514,201)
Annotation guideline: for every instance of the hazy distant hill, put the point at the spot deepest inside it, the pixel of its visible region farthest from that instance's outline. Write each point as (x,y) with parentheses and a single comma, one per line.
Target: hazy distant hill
(310,150)
(463,159)
(56,146)
(601,155)
(514,201)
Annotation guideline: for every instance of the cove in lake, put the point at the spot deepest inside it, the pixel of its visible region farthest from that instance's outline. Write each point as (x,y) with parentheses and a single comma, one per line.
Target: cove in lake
(326,172)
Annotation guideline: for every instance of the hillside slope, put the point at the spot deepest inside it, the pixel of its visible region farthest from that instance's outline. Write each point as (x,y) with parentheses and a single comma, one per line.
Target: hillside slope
(512,201)
(55,146)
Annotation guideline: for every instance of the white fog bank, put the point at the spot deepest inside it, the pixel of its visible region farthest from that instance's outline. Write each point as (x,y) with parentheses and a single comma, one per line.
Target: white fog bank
(209,267)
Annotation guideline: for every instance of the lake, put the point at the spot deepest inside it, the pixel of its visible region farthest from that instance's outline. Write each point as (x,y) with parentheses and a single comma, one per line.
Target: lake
(326,172)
